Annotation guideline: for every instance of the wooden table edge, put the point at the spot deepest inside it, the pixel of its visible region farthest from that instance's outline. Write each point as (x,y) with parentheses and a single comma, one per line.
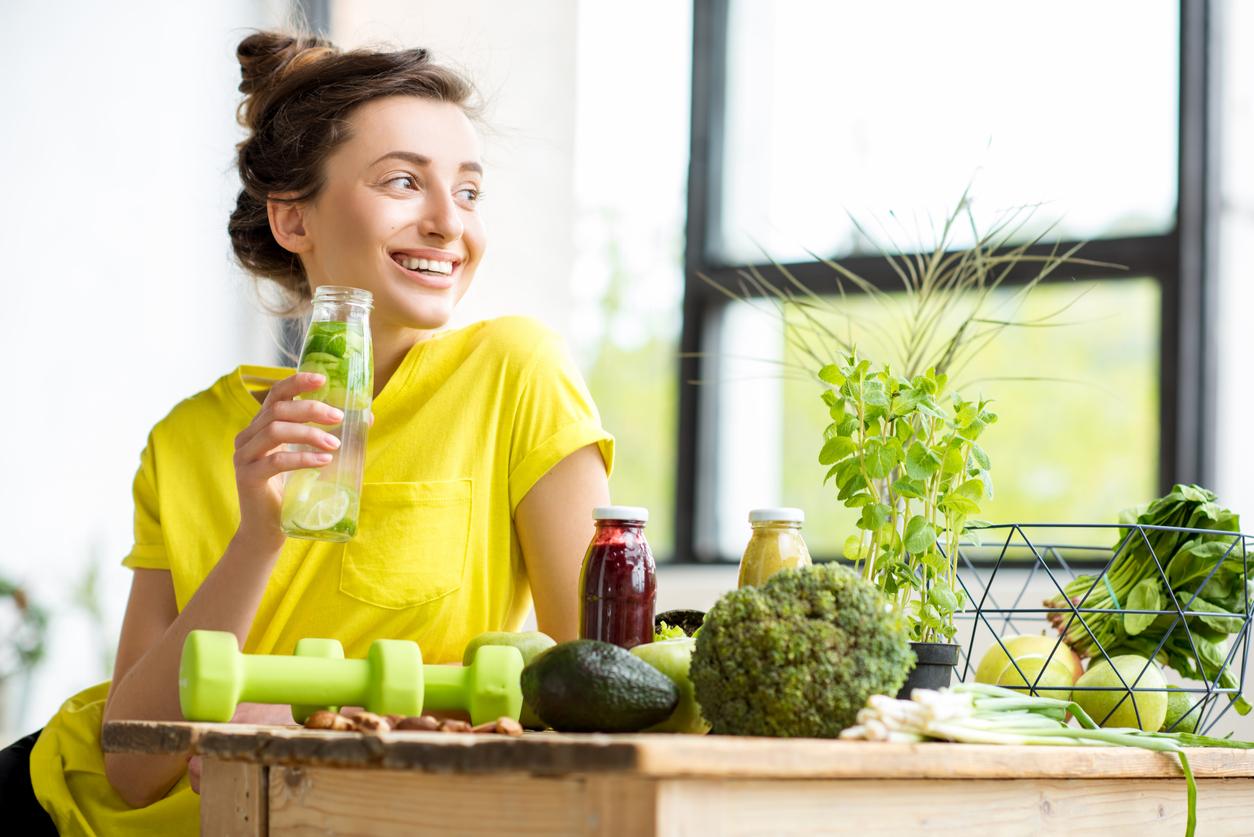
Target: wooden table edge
(660,756)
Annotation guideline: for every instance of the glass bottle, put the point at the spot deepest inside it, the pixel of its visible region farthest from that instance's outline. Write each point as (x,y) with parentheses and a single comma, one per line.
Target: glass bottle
(618,582)
(776,544)
(323,503)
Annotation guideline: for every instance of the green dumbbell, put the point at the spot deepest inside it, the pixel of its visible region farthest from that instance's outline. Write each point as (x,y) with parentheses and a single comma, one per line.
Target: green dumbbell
(327,649)
(214,677)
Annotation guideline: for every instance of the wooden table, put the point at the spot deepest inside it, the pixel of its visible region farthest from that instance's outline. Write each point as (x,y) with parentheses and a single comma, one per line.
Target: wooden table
(284,780)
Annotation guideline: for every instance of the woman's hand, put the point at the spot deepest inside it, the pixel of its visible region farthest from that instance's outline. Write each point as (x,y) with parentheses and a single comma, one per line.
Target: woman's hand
(261,456)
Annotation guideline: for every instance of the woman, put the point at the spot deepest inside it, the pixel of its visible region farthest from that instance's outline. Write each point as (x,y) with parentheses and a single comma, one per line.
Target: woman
(485,459)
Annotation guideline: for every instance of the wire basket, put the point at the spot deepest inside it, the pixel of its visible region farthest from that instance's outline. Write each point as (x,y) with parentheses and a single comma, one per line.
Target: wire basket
(1073,588)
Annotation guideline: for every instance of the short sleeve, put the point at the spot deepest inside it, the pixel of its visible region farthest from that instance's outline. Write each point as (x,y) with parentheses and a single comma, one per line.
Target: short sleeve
(149,551)
(554,417)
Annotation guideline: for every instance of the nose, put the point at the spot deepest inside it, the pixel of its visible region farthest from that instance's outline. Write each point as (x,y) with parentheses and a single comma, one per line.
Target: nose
(440,218)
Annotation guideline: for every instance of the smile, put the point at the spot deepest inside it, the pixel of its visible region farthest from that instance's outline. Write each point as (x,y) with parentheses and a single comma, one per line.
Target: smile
(433,267)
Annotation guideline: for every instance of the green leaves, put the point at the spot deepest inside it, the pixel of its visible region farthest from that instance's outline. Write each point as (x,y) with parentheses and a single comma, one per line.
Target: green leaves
(920,536)
(835,449)
(881,457)
(1146,595)
(831,374)
(914,470)
(921,461)
(874,516)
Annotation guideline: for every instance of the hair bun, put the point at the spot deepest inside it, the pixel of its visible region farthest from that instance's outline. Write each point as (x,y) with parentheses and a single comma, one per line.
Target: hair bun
(267,57)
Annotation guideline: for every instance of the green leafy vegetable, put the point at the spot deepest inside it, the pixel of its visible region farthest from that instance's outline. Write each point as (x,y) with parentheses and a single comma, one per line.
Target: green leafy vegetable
(1165,569)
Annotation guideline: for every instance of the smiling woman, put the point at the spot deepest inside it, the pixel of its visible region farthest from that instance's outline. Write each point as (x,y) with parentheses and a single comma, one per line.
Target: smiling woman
(485,459)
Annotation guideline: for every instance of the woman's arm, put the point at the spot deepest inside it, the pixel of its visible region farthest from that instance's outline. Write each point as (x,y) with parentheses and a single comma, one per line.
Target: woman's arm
(554,522)
(145,679)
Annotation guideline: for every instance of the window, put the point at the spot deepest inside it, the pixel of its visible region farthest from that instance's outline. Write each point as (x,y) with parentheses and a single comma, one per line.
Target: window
(831,130)
(631,160)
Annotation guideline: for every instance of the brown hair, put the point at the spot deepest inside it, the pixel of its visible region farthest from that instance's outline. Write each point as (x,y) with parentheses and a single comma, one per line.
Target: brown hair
(299,91)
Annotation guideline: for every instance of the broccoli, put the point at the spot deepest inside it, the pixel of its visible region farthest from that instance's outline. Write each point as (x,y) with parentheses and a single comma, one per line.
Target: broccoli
(798,656)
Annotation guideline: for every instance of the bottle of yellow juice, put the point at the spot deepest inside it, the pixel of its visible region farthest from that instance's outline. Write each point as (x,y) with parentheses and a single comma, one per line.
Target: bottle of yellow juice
(776,544)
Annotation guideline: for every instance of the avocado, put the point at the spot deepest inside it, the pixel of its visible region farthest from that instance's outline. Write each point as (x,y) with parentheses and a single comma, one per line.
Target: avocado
(591,686)
(529,643)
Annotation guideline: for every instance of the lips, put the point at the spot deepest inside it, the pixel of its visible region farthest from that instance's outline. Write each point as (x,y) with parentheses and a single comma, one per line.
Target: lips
(442,267)
(431,270)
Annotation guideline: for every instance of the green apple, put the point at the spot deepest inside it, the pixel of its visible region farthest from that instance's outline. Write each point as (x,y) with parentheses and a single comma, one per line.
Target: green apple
(1180,708)
(1051,678)
(529,643)
(672,657)
(1108,690)
(994,661)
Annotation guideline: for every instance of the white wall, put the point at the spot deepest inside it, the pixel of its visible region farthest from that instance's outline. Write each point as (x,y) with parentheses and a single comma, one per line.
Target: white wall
(116,181)
(522,58)
(116,170)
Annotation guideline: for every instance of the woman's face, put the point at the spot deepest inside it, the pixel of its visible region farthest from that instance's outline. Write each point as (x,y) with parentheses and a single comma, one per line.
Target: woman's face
(398,212)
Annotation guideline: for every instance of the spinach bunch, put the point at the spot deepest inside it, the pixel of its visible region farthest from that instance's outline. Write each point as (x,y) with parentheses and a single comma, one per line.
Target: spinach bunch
(1205,573)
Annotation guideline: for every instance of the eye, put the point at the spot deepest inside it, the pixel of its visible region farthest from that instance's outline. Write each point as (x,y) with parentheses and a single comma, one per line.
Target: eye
(402,179)
(469,194)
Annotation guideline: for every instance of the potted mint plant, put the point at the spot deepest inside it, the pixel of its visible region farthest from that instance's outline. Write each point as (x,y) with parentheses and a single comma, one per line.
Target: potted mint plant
(901,445)
(906,452)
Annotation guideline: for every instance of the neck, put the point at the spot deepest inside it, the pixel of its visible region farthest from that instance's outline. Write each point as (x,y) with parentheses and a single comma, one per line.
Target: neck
(390,345)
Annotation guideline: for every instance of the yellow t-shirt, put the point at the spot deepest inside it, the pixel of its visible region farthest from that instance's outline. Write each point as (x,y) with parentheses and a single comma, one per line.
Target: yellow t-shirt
(463,430)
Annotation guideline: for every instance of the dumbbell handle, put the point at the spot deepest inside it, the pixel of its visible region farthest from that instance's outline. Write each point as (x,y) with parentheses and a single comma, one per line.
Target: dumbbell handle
(445,687)
(304,680)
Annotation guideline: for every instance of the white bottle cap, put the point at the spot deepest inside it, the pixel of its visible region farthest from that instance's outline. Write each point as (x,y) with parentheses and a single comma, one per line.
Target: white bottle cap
(784,515)
(639,513)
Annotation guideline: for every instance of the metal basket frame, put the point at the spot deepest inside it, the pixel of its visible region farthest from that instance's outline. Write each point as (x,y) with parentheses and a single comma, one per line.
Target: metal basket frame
(976,578)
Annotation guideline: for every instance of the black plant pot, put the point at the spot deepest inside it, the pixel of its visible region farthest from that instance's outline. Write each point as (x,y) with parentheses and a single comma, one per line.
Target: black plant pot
(935,667)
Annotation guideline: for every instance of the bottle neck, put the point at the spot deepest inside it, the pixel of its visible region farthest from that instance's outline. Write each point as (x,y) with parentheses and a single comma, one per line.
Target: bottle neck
(625,525)
(780,525)
(338,303)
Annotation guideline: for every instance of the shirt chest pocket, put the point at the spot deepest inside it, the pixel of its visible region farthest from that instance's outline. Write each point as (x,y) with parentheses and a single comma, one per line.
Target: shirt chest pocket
(411,544)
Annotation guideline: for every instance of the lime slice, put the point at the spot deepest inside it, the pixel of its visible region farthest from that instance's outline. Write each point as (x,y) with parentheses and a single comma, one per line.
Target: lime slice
(321,506)
(312,504)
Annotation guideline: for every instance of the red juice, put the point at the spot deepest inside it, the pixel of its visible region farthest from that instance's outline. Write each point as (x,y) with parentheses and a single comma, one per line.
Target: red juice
(618,583)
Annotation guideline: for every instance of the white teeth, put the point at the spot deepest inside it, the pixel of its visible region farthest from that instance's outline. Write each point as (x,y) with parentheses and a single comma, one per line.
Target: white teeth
(430,265)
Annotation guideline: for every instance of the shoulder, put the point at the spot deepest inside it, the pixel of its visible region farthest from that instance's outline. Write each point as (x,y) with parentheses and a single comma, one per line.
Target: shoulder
(515,342)
(217,408)
(515,334)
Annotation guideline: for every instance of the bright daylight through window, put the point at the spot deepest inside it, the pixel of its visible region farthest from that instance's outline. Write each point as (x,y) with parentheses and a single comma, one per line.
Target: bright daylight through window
(1081,146)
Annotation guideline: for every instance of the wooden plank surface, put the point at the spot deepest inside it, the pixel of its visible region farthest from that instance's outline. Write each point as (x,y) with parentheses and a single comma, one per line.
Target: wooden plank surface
(234,799)
(556,754)
(949,808)
(319,801)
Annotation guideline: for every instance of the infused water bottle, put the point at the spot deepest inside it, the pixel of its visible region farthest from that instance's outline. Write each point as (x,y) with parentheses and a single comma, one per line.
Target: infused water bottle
(322,503)
(618,583)
(776,544)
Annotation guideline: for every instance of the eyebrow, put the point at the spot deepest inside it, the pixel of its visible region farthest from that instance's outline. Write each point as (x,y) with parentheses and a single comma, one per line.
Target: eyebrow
(421,160)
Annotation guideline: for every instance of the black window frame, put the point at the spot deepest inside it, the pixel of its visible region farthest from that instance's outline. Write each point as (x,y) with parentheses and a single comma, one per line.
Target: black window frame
(1181,260)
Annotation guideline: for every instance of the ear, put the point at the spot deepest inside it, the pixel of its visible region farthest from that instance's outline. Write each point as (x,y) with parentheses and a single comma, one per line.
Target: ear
(287,224)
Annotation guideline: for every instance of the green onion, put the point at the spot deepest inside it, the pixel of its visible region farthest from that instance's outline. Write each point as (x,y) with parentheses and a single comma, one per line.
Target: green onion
(977,713)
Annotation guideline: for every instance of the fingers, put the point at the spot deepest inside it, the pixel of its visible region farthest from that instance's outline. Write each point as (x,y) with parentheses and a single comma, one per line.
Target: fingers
(193,773)
(278,433)
(314,411)
(277,463)
(285,409)
(290,387)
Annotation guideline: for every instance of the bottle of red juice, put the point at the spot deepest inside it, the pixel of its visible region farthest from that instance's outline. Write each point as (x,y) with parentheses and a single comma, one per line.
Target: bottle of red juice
(618,583)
